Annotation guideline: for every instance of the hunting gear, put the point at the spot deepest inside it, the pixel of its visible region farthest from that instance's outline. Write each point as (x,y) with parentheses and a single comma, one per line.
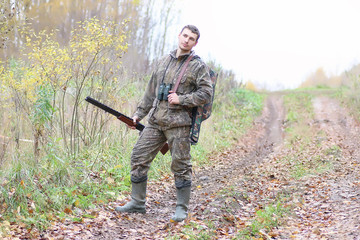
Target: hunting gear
(179,83)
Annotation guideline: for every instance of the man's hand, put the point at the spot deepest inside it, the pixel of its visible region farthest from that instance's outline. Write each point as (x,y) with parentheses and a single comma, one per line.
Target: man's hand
(135,121)
(173,98)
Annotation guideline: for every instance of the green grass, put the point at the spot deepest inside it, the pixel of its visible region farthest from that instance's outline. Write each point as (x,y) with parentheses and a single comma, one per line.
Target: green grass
(350,99)
(193,231)
(304,140)
(37,194)
(266,219)
(298,107)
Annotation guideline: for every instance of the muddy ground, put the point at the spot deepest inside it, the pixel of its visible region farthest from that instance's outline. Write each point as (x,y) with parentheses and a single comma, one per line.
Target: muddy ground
(246,178)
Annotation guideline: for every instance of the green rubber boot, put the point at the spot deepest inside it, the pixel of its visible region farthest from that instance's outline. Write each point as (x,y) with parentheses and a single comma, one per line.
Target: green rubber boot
(138,195)
(183,197)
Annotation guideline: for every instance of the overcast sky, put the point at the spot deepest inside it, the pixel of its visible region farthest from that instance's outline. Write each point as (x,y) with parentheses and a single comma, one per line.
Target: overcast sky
(276,43)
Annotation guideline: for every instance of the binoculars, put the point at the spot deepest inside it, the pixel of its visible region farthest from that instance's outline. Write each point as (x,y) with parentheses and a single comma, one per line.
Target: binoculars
(163,91)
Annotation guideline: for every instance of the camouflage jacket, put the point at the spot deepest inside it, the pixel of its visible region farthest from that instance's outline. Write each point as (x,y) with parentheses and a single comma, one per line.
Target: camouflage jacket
(195,89)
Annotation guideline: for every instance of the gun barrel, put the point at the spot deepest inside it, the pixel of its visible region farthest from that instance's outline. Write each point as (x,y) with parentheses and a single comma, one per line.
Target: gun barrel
(120,116)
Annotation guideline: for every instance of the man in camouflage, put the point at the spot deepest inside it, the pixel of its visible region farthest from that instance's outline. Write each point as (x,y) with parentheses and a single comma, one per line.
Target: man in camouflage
(169,119)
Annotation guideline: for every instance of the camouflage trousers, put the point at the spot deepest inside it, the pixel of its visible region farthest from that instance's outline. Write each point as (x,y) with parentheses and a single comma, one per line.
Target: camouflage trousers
(148,145)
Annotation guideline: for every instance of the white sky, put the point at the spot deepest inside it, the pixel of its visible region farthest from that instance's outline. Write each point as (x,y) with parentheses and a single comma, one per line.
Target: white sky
(278,43)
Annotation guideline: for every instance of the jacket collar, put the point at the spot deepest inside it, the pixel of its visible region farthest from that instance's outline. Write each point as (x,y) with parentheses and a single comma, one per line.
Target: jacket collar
(173,54)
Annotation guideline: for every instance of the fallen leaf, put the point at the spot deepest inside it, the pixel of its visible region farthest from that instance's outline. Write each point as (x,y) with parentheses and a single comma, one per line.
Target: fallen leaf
(67,211)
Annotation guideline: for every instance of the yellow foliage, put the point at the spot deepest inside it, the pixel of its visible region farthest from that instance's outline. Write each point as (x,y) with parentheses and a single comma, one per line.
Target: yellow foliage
(48,64)
(319,78)
(92,37)
(136,2)
(251,86)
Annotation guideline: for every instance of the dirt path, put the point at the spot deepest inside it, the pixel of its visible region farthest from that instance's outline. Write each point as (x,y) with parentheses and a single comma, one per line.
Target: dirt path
(331,206)
(242,180)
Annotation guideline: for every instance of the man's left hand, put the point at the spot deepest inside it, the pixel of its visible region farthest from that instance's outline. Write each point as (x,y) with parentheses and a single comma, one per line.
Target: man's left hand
(173,98)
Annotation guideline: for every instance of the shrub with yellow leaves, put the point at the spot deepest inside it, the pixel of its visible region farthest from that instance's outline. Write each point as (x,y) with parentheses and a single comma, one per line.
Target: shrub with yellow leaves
(49,84)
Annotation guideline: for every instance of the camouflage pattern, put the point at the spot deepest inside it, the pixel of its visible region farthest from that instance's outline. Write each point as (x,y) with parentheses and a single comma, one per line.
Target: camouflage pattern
(149,143)
(167,122)
(201,113)
(194,90)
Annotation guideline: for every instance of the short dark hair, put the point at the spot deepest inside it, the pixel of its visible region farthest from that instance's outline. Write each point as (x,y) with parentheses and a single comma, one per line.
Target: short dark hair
(193,29)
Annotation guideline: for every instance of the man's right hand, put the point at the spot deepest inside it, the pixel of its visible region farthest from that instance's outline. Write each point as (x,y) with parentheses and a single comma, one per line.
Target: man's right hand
(135,121)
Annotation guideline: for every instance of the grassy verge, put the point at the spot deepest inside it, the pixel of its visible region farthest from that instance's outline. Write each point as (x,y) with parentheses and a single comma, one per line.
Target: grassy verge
(350,99)
(62,188)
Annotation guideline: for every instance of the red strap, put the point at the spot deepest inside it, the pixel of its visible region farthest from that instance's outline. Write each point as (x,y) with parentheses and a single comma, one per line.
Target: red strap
(182,73)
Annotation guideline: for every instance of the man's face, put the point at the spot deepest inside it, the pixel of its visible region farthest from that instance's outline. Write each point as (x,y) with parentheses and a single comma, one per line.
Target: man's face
(187,40)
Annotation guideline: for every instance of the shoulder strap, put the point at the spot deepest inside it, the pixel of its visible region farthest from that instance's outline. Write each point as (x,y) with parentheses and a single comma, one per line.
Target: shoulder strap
(183,69)
(167,66)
